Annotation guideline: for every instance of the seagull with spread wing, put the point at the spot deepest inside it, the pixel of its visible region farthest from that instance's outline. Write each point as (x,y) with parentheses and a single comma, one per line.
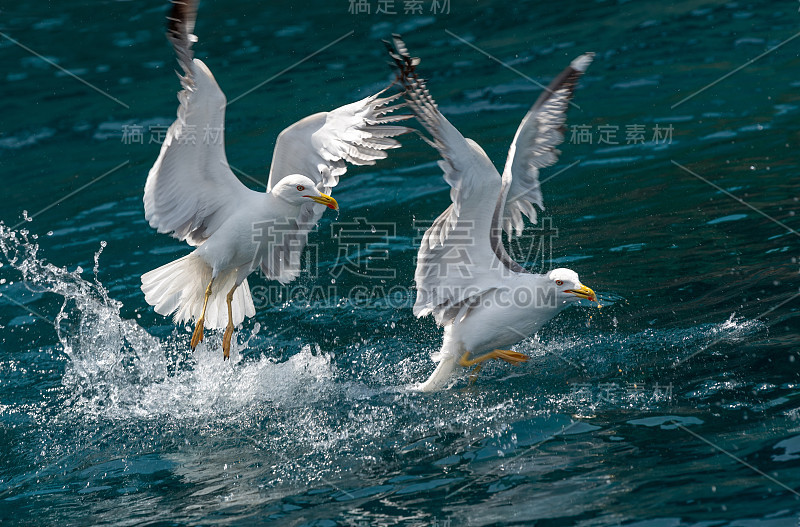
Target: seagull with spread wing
(192,194)
(486,301)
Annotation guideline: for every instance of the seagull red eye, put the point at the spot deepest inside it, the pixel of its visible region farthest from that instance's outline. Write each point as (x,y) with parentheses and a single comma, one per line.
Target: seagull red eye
(559,282)
(301,188)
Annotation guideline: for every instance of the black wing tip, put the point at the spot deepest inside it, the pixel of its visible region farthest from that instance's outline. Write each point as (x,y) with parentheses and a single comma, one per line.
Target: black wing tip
(180,27)
(403,62)
(415,90)
(176,17)
(567,79)
(181,19)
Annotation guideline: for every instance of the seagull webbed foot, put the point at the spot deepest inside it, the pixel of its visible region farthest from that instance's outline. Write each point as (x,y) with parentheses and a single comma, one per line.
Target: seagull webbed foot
(197,335)
(226,342)
(473,375)
(512,357)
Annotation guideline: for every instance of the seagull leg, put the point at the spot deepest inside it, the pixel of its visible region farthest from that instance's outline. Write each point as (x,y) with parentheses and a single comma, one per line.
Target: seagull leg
(512,357)
(197,335)
(226,339)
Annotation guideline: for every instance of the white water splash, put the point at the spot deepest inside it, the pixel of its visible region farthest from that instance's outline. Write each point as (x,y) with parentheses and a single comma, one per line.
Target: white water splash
(305,406)
(116,369)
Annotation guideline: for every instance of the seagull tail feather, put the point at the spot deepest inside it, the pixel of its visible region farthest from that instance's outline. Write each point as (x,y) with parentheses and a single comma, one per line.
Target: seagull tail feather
(179,288)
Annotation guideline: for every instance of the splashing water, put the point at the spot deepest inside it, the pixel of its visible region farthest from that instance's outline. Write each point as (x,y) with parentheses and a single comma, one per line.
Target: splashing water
(116,369)
(310,420)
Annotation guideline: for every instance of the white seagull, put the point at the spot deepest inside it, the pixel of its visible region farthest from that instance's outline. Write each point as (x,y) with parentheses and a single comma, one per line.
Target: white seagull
(192,194)
(485,300)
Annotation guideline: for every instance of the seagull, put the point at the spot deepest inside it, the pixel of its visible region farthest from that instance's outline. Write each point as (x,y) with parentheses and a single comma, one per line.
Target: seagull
(192,194)
(464,277)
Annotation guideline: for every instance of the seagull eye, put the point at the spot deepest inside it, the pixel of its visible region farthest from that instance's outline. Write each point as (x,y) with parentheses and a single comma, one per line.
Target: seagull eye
(301,188)
(559,282)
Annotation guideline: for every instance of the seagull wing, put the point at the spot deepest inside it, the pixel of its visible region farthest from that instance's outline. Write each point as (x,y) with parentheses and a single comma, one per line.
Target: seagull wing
(319,147)
(190,190)
(458,261)
(534,147)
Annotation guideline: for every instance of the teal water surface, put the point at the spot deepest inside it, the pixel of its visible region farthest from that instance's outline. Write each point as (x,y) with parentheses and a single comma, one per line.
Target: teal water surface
(675,404)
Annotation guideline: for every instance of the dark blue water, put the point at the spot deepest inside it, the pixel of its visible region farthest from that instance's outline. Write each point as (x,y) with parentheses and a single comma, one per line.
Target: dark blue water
(675,404)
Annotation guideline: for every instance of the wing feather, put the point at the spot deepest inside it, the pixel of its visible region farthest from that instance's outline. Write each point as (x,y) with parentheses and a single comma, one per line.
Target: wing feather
(458,261)
(190,190)
(535,146)
(319,146)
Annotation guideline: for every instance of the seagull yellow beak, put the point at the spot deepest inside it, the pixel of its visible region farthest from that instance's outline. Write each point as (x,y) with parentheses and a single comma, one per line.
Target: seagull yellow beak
(326,200)
(583,292)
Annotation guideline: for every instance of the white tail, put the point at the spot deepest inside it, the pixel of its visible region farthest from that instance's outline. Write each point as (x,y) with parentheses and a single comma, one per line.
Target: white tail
(180,287)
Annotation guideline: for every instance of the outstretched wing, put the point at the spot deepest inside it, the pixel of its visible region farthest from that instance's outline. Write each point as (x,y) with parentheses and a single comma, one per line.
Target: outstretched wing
(458,260)
(534,147)
(320,146)
(190,190)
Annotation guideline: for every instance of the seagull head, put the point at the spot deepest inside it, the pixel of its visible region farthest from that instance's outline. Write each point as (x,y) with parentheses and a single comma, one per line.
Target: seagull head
(298,190)
(569,287)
